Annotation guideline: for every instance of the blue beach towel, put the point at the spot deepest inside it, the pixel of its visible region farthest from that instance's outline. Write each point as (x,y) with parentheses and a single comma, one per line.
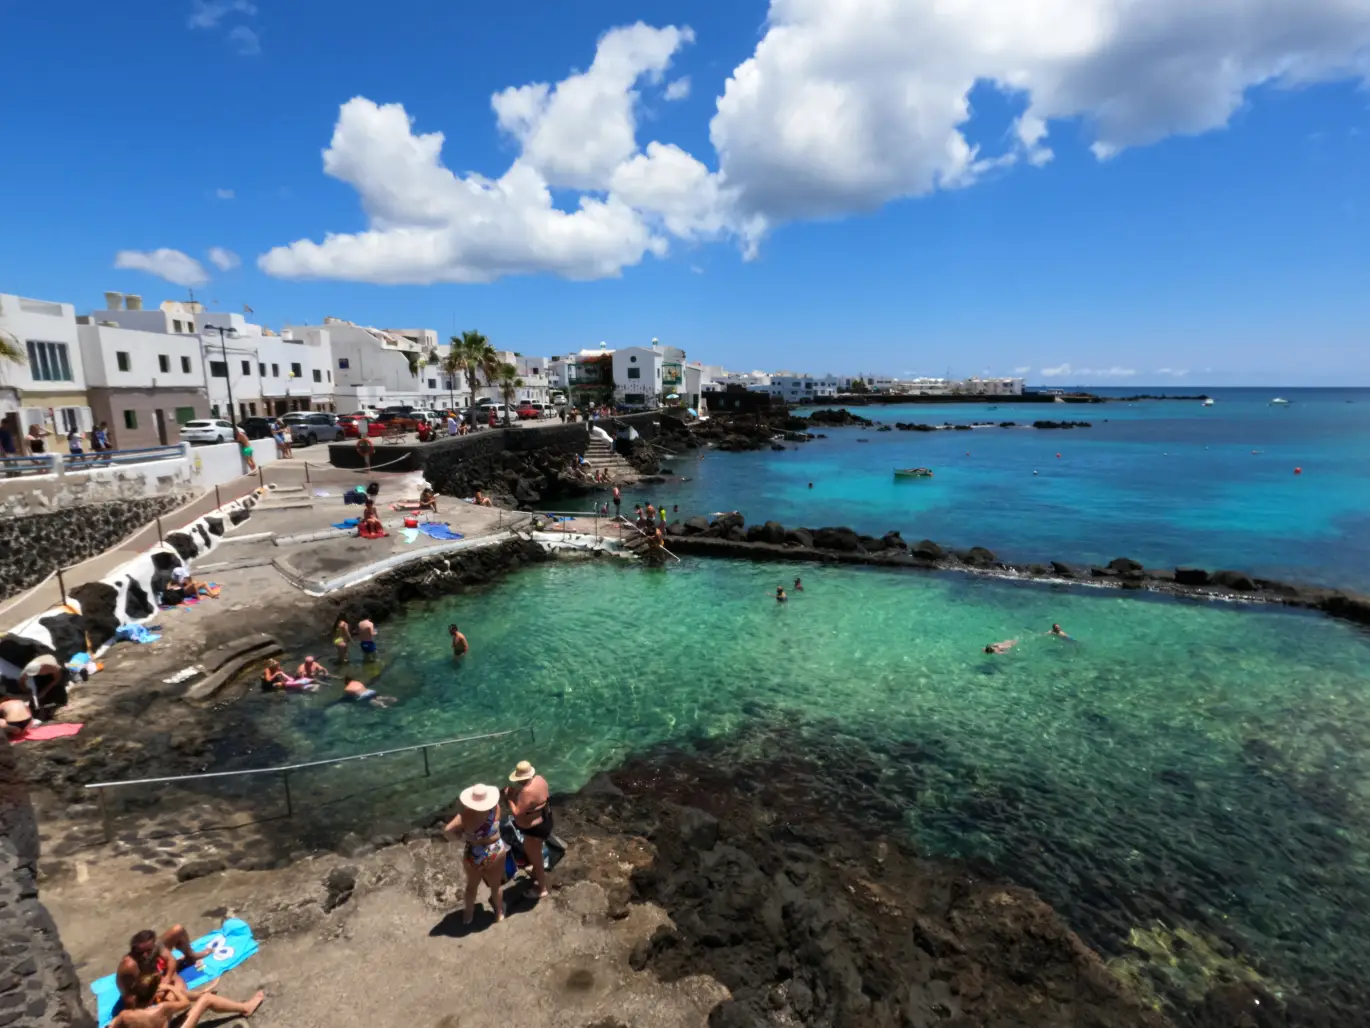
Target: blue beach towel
(228,947)
(439,531)
(349,523)
(135,633)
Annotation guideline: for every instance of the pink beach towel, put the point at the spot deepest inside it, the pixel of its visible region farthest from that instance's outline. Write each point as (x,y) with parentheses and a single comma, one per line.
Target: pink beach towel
(38,733)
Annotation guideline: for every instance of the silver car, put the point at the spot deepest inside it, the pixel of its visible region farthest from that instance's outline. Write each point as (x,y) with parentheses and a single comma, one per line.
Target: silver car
(207,430)
(308,428)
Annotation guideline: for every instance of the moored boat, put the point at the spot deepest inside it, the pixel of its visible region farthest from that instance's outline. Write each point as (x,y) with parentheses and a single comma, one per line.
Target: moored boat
(1279,401)
(912,473)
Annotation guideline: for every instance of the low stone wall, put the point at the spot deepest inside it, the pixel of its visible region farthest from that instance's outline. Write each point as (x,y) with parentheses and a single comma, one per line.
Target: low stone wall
(71,484)
(516,467)
(412,456)
(38,985)
(32,545)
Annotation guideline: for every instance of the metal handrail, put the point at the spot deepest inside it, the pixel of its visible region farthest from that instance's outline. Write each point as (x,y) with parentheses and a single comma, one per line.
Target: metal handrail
(285,770)
(624,520)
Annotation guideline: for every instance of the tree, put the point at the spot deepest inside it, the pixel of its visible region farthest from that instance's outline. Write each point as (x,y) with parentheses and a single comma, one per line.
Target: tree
(859,386)
(471,355)
(11,352)
(509,384)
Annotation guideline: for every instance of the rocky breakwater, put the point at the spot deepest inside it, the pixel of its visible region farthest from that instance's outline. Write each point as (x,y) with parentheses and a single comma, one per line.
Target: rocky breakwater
(755,431)
(966,427)
(513,478)
(730,536)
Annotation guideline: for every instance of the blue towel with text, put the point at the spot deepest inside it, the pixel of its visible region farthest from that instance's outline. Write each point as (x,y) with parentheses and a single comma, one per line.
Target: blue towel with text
(228,947)
(439,531)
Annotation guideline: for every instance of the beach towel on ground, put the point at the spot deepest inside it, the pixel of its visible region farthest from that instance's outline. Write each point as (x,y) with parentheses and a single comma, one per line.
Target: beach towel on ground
(434,531)
(349,523)
(135,633)
(228,947)
(39,733)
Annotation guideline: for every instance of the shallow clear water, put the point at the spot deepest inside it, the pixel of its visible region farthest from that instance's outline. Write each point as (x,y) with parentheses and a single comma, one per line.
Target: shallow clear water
(1164,482)
(1204,765)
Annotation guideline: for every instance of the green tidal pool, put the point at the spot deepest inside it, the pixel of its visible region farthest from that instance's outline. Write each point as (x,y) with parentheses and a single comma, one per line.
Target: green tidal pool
(1172,766)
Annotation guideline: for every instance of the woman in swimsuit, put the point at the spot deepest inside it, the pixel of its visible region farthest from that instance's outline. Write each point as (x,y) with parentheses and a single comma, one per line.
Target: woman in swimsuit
(342,638)
(18,717)
(483,852)
(529,802)
(274,676)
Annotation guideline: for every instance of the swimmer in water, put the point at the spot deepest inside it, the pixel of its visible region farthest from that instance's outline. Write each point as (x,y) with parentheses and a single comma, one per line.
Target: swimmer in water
(780,596)
(798,586)
(460,646)
(311,668)
(1001,647)
(359,693)
(1056,630)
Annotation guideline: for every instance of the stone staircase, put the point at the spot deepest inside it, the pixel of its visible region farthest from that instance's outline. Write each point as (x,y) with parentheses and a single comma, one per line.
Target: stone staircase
(600,455)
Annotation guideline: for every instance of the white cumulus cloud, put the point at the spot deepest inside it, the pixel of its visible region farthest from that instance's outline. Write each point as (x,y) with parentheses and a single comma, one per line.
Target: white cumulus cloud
(206,14)
(224,260)
(678,89)
(172,265)
(1066,370)
(841,108)
(1173,372)
(246,42)
(1022,371)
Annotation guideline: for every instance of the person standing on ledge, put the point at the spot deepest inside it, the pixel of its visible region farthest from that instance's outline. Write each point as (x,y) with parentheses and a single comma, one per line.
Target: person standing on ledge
(460,647)
(365,448)
(530,802)
(483,849)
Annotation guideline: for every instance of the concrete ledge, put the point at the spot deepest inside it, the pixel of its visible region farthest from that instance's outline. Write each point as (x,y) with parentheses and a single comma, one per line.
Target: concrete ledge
(226,662)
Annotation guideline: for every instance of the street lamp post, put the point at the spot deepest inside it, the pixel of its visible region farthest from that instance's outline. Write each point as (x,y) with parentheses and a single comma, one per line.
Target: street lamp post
(224,334)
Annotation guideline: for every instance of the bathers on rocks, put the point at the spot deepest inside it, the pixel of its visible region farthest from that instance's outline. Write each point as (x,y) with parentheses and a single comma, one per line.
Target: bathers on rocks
(484,845)
(543,829)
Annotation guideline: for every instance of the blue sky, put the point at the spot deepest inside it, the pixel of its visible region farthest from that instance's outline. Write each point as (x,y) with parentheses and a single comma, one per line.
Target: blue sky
(794,215)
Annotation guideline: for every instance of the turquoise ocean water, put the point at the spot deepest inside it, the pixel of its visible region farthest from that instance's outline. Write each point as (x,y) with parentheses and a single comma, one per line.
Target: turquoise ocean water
(1178,766)
(1164,482)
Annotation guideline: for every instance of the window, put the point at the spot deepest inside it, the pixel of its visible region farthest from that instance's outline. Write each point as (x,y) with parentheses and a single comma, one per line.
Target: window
(175,324)
(342,364)
(218,369)
(130,419)
(185,365)
(69,419)
(163,363)
(190,326)
(330,376)
(295,370)
(318,375)
(275,371)
(247,367)
(252,409)
(261,370)
(432,382)
(48,362)
(213,410)
(121,360)
(634,372)
(184,414)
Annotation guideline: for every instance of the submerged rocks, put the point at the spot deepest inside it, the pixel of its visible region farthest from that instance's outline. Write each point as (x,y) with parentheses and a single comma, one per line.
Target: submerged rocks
(1191,576)
(1232,580)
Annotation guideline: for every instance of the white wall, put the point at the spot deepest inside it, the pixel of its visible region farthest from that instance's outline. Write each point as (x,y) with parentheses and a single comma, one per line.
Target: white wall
(648,385)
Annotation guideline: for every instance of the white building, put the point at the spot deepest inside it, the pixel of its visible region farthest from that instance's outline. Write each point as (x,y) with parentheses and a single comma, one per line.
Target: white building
(50,388)
(268,375)
(795,388)
(145,376)
(637,372)
(375,367)
(991,386)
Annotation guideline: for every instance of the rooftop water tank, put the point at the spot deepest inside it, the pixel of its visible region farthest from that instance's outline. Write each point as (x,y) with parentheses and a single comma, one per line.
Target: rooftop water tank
(113,301)
(134,302)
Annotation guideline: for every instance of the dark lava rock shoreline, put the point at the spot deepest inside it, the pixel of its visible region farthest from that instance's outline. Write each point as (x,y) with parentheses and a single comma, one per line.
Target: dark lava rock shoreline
(729,536)
(789,879)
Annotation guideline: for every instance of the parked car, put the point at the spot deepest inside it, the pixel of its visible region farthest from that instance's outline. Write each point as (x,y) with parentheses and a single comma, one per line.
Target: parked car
(256,428)
(207,430)
(390,421)
(370,413)
(309,427)
(529,411)
(350,426)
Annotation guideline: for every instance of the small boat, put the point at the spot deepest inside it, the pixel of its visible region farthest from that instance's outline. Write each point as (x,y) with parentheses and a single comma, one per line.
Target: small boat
(1209,402)
(912,473)
(1279,401)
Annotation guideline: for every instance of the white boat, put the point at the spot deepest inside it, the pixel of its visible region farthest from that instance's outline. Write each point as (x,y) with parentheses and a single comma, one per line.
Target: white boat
(1279,401)
(1209,402)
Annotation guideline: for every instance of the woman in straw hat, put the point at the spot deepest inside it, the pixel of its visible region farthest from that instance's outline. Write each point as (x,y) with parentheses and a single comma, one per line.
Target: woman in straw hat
(528,798)
(483,857)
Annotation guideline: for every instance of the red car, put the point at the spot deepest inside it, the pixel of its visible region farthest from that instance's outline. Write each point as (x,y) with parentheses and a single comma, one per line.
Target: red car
(528,412)
(351,427)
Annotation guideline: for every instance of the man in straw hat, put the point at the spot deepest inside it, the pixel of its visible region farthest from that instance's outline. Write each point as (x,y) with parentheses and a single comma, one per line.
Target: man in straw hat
(483,855)
(528,799)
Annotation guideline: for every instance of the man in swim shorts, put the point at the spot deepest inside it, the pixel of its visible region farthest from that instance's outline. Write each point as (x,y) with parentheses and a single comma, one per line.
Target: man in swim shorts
(148,953)
(366,632)
(460,646)
(357,692)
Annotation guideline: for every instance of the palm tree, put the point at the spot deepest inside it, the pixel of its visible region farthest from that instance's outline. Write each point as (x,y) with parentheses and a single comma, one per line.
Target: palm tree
(11,352)
(471,355)
(509,384)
